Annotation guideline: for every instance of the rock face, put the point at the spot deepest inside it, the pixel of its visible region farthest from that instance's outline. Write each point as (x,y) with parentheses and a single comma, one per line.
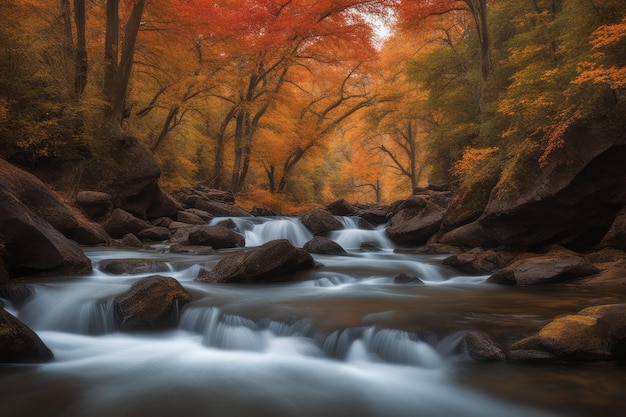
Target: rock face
(320,221)
(323,246)
(18,343)
(572,200)
(274,261)
(32,246)
(153,302)
(557,265)
(595,333)
(415,221)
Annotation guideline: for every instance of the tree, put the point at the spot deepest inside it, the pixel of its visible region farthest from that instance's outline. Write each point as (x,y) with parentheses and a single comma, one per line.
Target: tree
(118,66)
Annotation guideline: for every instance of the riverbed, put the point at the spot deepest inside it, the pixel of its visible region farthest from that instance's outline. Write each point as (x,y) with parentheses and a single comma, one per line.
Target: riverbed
(343,340)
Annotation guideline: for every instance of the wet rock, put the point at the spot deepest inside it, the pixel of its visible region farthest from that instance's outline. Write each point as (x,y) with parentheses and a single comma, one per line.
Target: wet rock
(415,222)
(16,293)
(132,266)
(479,262)
(323,246)
(153,302)
(122,222)
(431,249)
(94,204)
(129,240)
(274,261)
(190,217)
(482,347)
(217,237)
(341,208)
(405,278)
(375,214)
(228,223)
(320,221)
(194,250)
(612,265)
(18,343)
(595,333)
(557,265)
(154,234)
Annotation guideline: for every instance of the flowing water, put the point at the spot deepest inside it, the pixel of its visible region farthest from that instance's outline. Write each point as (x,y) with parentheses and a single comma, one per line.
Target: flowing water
(343,340)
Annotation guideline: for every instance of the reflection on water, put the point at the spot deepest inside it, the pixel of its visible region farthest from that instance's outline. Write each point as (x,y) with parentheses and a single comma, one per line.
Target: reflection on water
(345,340)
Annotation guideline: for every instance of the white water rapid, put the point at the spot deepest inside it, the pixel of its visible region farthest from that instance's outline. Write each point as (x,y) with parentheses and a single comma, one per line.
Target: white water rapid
(343,341)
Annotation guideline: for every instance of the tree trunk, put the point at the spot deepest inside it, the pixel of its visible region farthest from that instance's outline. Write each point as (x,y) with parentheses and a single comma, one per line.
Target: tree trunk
(81,65)
(117,73)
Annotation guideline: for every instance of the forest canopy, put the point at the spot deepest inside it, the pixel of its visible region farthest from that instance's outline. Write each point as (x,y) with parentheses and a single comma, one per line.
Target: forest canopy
(295,102)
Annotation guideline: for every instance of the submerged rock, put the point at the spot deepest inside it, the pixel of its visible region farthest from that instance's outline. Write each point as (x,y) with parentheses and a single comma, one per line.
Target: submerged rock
(274,261)
(18,343)
(153,302)
(405,278)
(132,266)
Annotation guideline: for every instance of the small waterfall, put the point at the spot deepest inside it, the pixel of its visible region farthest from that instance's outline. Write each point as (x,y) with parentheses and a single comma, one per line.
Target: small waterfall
(80,314)
(232,332)
(357,231)
(280,228)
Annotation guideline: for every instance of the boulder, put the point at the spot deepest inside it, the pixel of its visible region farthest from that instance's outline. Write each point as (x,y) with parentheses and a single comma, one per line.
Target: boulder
(415,222)
(94,204)
(194,250)
(130,240)
(595,333)
(323,246)
(20,186)
(557,265)
(32,246)
(16,293)
(18,343)
(478,261)
(154,234)
(375,214)
(482,347)
(122,222)
(321,221)
(153,302)
(190,217)
(612,266)
(218,237)
(341,208)
(132,266)
(274,261)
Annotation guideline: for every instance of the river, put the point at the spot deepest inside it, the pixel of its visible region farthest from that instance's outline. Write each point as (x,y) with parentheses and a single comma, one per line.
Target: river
(342,341)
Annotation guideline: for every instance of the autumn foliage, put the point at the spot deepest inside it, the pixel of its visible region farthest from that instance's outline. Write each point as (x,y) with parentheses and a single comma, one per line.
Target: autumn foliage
(298,102)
